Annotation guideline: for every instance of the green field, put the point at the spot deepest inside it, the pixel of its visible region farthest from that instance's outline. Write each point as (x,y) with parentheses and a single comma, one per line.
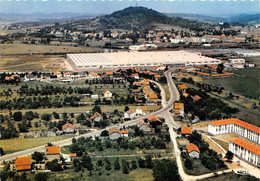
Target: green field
(223,144)
(18,144)
(69,175)
(245,83)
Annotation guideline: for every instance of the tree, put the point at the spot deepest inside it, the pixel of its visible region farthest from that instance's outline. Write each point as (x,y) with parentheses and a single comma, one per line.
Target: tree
(125,167)
(117,164)
(229,156)
(134,164)
(1,151)
(46,117)
(41,176)
(126,108)
(141,163)
(166,170)
(18,116)
(37,156)
(148,161)
(220,68)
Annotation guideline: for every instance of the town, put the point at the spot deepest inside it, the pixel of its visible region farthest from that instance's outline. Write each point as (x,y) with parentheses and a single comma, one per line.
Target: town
(164,103)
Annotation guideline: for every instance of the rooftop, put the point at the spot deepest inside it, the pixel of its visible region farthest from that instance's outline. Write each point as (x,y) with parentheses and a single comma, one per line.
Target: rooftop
(253,148)
(191,147)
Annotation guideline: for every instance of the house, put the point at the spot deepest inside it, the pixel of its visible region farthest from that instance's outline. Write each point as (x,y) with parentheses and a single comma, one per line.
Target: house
(156,77)
(68,128)
(154,120)
(29,77)
(58,74)
(67,74)
(179,109)
(52,152)
(109,74)
(124,133)
(153,96)
(193,150)
(140,111)
(143,126)
(238,65)
(135,76)
(186,131)
(245,151)
(107,94)
(130,114)
(182,87)
(114,133)
(94,75)
(96,117)
(196,98)
(73,156)
(23,163)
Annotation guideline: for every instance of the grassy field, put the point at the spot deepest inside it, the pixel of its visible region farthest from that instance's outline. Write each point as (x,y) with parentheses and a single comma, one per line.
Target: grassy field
(223,144)
(245,83)
(18,144)
(17,48)
(69,175)
(167,92)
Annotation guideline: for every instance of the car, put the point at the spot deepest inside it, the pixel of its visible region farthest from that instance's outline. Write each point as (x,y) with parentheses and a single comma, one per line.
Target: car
(241,172)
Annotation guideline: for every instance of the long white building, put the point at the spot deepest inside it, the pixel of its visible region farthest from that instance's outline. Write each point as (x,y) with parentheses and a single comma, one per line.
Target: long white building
(244,129)
(246,151)
(87,61)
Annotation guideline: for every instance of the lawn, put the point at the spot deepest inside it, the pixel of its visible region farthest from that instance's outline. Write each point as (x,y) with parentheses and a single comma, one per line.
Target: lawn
(223,144)
(167,92)
(18,144)
(69,175)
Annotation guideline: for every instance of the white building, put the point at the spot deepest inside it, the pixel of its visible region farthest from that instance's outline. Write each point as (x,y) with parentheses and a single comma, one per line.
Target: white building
(233,125)
(130,114)
(139,112)
(233,61)
(246,151)
(107,94)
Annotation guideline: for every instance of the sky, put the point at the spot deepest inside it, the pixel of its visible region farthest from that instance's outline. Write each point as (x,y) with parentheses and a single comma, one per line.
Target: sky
(205,7)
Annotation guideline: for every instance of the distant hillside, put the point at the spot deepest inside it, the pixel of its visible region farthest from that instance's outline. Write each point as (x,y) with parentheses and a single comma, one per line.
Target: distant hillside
(197,17)
(246,19)
(141,18)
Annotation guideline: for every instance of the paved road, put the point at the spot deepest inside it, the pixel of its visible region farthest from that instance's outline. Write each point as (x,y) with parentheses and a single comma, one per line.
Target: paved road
(166,107)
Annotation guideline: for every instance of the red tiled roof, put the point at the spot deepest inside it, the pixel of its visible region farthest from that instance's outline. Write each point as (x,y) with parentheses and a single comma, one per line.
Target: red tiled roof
(237,122)
(246,145)
(191,147)
(23,163)
(52,150)
(178,105)
(105,91)
(186,130)
(95,115)
(196,98)
(67,125)
(153,96)
(140,123)
(73,155)
(153,118)
(114,129)
(124,131)
(109,73)
(130,111)
(182,86)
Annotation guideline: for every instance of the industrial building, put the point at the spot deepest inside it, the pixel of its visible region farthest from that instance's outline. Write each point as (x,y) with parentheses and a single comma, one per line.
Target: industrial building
(137,59)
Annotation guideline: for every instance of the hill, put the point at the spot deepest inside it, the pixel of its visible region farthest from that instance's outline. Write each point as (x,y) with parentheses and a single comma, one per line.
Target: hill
(245,19)
(142,18)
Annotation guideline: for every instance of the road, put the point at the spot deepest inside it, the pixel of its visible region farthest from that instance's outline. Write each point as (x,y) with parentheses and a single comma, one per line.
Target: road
(165,108)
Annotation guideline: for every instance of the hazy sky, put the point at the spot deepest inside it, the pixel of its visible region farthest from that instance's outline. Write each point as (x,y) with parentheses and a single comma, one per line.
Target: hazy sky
(209,7)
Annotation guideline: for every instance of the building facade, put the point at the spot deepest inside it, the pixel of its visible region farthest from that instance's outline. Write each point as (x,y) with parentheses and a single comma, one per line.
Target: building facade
(245,151)
(237,126)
